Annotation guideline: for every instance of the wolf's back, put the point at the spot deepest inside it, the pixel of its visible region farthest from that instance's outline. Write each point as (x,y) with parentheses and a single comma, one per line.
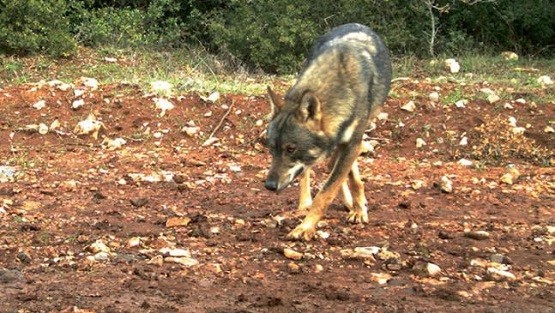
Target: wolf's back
(373,65)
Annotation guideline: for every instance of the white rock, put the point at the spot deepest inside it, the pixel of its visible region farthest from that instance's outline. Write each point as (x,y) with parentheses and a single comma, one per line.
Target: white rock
(259,123)
(54,125)
(464,141)
(409,106)
(190,130)
(545,80)
(512,121)
(461,103)
(213,97)
(175,252)
(509,55)
(110,144)
(88,126)
(78,92)
(508,106)
(500,275)
(110,60)
(186,261)
(89,82)
(39,104)
(382,116)
(446,185)
(133,242)
(493,98)
(43,129)
(420,142)
(433,269)
(518,130)
(380,278)
(549,129)
(98,246)
(161,86)
(452,65)
(465,162)
(102,256)
(163,105)
(292,254)
(520,100)
(77,104)
(434,96)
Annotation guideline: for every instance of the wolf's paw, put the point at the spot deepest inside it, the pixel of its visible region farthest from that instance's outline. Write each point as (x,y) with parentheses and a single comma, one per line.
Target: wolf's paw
(357,217)
(302,232)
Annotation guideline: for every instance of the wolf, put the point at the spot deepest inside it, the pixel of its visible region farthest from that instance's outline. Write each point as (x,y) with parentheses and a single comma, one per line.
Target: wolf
(344,81)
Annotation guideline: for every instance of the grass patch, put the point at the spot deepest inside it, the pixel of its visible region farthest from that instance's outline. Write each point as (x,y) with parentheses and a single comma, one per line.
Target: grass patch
(195,70)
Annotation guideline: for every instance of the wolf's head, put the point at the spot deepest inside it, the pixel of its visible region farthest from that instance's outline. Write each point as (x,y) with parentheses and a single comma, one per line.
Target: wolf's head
(294,137)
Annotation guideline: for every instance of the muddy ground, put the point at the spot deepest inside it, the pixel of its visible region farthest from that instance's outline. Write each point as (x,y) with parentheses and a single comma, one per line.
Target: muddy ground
(157,222)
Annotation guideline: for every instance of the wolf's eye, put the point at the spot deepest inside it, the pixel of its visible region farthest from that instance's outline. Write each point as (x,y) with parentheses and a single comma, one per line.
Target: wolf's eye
(290,148)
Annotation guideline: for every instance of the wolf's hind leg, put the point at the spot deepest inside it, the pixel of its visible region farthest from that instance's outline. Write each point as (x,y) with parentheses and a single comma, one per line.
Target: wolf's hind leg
(358,212)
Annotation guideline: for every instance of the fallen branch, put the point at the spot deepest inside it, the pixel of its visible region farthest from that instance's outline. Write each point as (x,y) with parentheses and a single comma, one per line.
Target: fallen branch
(219,124)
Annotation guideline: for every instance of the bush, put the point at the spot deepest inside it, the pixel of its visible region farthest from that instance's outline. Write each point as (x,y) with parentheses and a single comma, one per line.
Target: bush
(32,26)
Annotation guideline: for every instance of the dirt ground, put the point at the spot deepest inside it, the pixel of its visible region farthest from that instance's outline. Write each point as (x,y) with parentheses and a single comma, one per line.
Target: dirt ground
(145,218)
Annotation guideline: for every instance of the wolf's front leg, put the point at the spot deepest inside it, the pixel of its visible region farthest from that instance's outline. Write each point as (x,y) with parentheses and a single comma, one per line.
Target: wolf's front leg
(346,155)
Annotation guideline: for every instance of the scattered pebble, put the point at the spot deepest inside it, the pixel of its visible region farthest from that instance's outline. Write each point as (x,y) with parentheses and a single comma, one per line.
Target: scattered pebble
(420,142)
(434,96)
(292,254)
(477,235)
(409,106)
(446,185)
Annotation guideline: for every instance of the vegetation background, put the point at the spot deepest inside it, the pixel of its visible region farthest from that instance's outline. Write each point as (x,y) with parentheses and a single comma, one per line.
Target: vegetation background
(274,35)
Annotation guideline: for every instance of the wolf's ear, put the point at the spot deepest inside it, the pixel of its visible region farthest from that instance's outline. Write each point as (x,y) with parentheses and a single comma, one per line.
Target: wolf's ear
(275,102)
(309,109)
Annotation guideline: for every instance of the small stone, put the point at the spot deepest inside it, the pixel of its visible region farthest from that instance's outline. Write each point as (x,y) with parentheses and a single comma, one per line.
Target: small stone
(464,141)
(157,260)
(77,104)
(380,278)
(259,123)
(293,268)
(452,65)
(409,106)
(43,129)
(163,105)
(549,130)
(102,256)
(434,96)
(545,80)
(461,103)
(385,255)
(139,202)
(500,275)
(509,56)
(417,184)
(493,98)
(446,185)
(420,142)
(133,242)
(177,221)
(292,254)
(39,104)
(382,116)
(465,162)
(98,246)
(175,252)
(318,268)
(477,235)
(426,269)
(24,257)
(186,261)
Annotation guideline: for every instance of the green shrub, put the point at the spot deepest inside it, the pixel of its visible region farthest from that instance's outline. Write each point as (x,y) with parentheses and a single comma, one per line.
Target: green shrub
(32,26)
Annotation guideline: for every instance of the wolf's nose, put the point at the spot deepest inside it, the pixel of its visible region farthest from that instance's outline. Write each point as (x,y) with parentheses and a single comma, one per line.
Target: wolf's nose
(271,185)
